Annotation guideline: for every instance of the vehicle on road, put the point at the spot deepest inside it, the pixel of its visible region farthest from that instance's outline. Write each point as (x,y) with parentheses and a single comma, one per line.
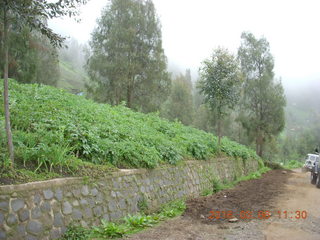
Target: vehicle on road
(310,161)
(312,165)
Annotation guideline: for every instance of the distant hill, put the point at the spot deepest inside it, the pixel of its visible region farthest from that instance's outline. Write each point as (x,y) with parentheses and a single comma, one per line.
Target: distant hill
(71,78)
(303,106)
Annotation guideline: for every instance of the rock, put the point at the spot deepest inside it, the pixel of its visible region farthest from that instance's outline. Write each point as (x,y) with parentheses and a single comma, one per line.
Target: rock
(3,235)
(94,192)
(67,208)
(37,199)
(233,220)
(202,216)
(12,219)
(76,193)
(87,213)
(76,214)
(4,206)
(55,234)
(14,195)
(30,237)
(17,204)
(21,229)
(58,220)
(1,218)
(83,202)
(59,194)
(34,227)
(45,207)
(24,215)
(284,172)
(48,194)
(85,190)
(98,211)
(122,204)
(75,203)
(36,213)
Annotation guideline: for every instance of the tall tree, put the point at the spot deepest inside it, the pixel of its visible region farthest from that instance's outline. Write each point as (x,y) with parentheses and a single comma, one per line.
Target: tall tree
(128,61)
(32,13)
(264,100)
(179,104)
(32,59)
(219,81)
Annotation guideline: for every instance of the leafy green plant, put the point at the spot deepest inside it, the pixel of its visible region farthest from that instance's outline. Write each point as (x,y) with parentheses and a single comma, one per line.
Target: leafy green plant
(140,221)
(293,164)
(52,129)
(110,229)
(76,233)
(143,205)
(206,192)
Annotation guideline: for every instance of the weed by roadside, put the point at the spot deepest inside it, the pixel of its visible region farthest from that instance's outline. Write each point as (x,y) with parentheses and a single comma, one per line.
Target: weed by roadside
(128,225)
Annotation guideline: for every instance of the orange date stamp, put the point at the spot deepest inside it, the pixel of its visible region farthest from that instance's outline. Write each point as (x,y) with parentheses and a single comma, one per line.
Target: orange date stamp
(262,214)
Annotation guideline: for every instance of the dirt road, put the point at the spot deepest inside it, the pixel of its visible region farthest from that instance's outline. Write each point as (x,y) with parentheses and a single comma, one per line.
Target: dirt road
(293,202)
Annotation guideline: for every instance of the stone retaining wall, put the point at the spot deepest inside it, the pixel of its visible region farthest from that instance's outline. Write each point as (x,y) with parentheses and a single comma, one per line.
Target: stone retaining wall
(43,210)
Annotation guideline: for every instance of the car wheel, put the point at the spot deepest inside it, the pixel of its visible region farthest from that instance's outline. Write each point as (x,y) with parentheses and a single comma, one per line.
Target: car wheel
(313,178)
(318,181)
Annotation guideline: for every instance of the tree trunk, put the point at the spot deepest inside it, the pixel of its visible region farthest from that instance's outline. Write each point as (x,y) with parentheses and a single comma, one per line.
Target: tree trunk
(6,88)
(129,103)
(259,145)
(219,131)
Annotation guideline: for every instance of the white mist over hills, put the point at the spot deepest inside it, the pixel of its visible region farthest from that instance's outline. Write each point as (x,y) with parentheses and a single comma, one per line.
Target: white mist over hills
(192,29)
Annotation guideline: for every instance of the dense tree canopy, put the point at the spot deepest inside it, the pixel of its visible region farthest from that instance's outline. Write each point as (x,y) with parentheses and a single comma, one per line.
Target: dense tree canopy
(128,62)
(180,101)
(264,100)
(219,81)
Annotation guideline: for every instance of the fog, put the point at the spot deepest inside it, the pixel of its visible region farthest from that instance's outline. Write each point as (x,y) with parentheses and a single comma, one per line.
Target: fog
(191,29)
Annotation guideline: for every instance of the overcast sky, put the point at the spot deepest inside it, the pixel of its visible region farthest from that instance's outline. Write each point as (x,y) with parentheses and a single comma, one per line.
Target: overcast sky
(191,29)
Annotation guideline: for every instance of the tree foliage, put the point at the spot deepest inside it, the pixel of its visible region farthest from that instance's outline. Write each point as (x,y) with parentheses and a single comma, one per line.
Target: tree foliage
(219,81)
(32,59)
(263,99)
(128,62)
(180,101)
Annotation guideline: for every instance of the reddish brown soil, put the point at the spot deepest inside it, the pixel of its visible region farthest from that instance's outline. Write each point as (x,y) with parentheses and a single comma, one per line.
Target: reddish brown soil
(252,195)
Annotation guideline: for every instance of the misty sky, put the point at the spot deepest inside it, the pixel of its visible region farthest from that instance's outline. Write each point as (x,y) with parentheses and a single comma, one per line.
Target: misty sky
(191,29)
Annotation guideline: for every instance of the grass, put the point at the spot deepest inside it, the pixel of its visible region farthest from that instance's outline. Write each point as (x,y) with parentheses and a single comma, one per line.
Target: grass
(58,132)
(293,164)
(128,225)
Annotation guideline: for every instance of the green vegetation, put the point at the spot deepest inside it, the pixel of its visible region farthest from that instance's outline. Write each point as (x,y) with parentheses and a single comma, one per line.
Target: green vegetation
(54,130)
(293,164)
(127,61)
(128,225)
(71,78)
(262,113)
(219,83)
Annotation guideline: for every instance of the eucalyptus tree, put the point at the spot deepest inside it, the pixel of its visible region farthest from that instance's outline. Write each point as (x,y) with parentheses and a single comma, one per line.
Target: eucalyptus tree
(264,100)
(219,84)
(34,14)
(179,104)
(127,61)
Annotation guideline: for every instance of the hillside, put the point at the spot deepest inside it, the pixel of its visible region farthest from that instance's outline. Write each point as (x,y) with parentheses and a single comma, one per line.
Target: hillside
(52,129)
(71,78)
